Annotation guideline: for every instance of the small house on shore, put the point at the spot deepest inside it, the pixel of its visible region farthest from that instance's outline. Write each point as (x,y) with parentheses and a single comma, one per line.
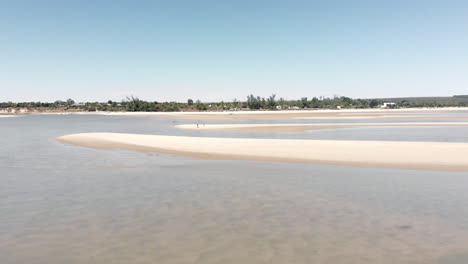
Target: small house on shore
(388,105)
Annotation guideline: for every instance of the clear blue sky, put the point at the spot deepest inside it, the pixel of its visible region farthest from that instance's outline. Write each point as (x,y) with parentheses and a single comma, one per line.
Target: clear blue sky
(220,50)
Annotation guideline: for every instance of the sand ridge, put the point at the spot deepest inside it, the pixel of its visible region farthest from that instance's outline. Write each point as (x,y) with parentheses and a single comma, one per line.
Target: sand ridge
(385,154)
(295,127)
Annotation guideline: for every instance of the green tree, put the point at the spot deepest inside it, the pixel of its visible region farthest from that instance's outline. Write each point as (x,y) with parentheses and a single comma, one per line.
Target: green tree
(346,101)
(200,106)
(235,103)
(253,102)
(271,102)
(133,104)
(315,103)
(304,102)
(70,101)
(281,102)
(373,103)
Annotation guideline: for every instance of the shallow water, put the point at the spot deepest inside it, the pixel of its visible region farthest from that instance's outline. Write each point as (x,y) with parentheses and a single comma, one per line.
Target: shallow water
(67,204)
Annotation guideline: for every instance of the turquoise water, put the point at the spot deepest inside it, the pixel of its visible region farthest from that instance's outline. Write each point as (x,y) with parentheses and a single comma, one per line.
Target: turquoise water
(67,204)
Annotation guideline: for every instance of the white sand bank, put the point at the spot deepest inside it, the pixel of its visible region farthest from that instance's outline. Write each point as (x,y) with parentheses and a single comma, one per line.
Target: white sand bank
(303,127)
(404,155)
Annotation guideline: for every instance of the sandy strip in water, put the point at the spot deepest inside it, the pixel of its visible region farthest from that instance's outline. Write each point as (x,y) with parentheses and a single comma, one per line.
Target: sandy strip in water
(303,127)
(385,154)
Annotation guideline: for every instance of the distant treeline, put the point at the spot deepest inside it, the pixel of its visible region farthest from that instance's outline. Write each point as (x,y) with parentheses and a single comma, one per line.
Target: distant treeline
(134,104)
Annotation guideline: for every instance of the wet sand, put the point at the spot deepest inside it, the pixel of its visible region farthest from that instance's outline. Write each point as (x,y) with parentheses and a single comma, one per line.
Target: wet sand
(303,127)
(403,155)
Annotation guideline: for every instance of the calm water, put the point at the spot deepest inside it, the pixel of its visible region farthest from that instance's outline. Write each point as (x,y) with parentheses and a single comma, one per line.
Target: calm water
(67,204)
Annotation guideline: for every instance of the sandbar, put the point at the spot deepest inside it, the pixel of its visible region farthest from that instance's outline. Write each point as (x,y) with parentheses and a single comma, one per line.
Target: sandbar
(445,156)
(303,127)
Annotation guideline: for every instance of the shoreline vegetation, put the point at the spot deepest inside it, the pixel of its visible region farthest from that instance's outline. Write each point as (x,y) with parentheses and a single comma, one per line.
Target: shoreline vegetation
(442,156)
(252,103)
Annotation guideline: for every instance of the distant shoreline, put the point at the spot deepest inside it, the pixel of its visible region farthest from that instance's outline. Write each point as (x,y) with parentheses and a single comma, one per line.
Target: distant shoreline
(320,110)
(368,113)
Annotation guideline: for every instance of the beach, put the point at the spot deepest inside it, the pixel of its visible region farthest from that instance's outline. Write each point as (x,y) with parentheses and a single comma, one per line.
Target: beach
(443,156)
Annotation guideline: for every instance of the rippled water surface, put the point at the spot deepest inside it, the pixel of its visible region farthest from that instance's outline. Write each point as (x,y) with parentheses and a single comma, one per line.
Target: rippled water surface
(67,204)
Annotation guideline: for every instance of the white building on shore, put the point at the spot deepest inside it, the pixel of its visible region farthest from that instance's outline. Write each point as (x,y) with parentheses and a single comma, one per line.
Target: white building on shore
(388,105)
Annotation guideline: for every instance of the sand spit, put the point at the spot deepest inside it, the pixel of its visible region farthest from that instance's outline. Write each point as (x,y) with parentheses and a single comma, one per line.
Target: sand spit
(386,154)
(303,127)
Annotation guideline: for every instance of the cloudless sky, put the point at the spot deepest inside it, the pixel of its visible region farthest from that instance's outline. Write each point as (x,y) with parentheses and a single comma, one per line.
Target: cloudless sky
(220,50)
